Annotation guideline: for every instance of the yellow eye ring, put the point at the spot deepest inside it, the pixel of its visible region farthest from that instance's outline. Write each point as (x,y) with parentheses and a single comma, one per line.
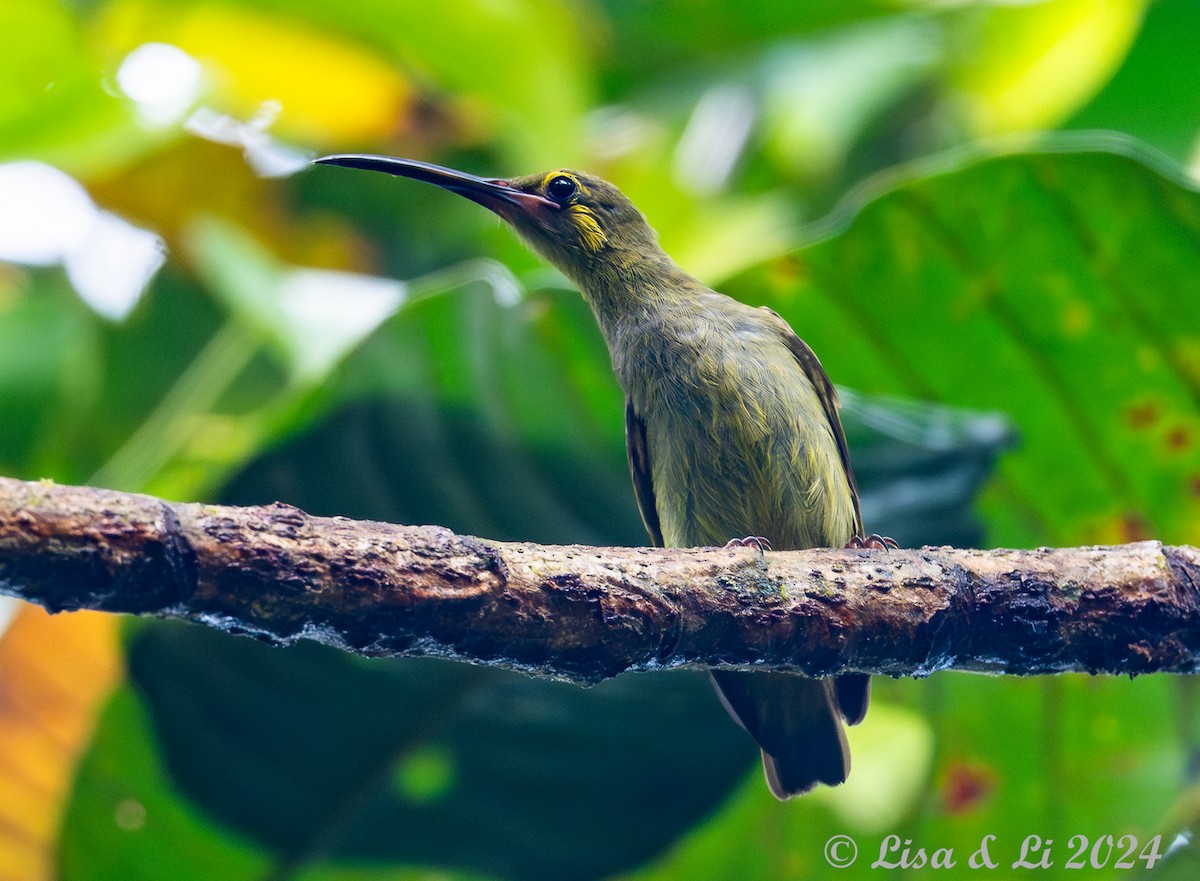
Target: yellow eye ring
(561,188)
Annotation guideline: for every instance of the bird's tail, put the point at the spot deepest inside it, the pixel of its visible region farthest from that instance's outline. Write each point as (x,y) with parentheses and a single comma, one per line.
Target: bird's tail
(798,723)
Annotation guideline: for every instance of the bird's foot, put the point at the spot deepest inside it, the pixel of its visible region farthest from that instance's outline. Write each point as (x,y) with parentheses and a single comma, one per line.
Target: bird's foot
(874,541)
(750,541)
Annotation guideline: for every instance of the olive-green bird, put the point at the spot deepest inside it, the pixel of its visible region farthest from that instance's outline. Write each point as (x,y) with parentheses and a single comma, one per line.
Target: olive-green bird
(732,426)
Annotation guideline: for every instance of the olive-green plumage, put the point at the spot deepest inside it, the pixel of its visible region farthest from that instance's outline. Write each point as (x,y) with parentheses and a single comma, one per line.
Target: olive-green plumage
(732,425)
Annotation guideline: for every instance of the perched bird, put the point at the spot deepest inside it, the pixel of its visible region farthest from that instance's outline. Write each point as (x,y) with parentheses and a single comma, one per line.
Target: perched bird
(732,426)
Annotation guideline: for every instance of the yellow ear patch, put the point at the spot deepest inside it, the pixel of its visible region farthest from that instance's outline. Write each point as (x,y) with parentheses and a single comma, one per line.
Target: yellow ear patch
(588,227)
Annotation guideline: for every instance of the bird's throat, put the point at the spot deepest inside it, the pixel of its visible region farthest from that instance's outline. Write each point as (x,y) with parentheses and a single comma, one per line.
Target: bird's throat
(627,290)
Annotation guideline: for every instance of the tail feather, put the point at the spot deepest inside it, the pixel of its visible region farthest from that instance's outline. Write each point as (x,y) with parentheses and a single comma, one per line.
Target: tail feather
(797,723)
(853,695)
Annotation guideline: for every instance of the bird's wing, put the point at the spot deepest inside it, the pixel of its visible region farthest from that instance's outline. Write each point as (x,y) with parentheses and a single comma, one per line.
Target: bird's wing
(639,470)
(827,395)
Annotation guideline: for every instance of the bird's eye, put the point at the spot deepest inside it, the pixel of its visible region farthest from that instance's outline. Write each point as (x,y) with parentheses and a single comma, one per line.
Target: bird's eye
(561,188)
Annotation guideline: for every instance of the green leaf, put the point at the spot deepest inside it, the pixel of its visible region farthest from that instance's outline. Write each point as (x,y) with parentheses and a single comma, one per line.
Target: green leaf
(1053,756)
(521,66)
(170,430)
(669,36)
(48,340)
(1021,68)
(919,466)
(55,106)
(1155,95)
(310,761)
(1057,288)
(124,821)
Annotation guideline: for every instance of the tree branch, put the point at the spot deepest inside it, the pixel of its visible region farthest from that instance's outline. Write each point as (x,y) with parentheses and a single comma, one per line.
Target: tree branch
(588,613)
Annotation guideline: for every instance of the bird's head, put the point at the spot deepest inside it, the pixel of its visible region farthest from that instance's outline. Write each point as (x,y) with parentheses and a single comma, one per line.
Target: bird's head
(578,222)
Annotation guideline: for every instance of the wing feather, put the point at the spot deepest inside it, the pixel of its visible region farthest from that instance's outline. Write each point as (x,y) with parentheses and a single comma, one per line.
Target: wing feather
(827,395)
(639,470)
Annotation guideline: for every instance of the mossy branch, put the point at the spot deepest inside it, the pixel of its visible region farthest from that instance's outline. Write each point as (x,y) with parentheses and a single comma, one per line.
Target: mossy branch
(586,613)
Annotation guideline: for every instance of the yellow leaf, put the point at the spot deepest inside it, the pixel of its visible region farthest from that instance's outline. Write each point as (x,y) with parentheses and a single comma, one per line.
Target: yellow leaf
(1032,65)
(328,89)
(55,671)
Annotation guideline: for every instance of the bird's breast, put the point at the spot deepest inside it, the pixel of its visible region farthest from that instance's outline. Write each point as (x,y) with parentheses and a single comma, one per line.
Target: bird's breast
(739,443)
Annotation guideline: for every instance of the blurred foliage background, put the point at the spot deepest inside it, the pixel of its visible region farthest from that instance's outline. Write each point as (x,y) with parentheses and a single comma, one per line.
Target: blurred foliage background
(981,215)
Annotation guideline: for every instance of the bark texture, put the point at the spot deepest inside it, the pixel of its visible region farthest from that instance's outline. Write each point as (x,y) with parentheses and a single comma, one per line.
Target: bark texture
(587,613)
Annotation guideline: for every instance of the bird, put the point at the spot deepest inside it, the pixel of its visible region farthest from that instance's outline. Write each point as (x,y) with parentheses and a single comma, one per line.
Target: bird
(732,426)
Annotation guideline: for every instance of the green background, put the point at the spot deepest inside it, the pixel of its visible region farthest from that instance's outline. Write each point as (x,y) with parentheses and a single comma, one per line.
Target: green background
(981,216)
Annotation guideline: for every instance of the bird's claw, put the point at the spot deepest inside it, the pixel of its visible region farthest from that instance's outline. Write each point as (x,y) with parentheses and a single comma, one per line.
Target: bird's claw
(750,541)
(874,541)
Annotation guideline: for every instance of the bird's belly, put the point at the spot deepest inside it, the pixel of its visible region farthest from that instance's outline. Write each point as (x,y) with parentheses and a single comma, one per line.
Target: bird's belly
(784,481)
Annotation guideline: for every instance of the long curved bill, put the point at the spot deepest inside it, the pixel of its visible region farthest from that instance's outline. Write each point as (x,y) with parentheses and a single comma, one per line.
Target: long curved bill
(491,193)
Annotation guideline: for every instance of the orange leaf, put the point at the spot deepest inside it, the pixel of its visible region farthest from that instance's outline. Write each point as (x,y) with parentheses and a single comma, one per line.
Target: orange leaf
(55,672)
